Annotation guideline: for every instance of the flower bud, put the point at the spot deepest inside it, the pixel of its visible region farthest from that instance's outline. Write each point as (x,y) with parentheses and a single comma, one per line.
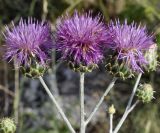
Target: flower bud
(112,109)
(151,57)
(7,125)
(145,93)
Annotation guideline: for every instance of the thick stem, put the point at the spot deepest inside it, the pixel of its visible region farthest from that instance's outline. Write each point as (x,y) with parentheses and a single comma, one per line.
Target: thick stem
(124,117)
(82,129)
(6,104)
(16,92)
(101,100)
(111,123)
(57,105)
(16,95)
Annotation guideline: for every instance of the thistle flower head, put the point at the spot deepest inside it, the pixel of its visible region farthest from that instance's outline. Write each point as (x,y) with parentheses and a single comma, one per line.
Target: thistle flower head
(79,39)
(130,42)
(29,39)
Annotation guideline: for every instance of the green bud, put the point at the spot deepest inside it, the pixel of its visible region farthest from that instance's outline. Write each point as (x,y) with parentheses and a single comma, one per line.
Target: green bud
(7,125)
(145,93)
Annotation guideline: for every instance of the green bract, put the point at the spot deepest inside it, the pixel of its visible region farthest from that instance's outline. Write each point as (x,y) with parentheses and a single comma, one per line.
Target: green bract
(145,93)
(7,125)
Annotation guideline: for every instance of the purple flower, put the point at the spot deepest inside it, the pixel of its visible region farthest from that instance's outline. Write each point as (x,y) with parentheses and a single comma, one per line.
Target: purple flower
(130,42)
(28,40)
(79,38)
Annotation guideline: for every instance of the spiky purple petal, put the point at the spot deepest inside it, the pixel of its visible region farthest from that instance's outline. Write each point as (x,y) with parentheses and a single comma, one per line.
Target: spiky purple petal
(79,38)
(130,42)
(29,39)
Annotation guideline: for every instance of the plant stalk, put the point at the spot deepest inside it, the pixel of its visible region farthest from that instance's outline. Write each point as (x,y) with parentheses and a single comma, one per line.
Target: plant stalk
(16,95)
(57,105)
(101,100)
(125,116)
(129,104)
(111,123)
(82,113)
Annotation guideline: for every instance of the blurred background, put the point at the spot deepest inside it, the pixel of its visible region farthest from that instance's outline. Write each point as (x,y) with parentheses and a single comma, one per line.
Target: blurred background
(25,100)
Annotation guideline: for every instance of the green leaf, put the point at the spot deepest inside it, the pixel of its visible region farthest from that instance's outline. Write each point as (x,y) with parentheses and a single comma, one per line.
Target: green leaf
(158,40)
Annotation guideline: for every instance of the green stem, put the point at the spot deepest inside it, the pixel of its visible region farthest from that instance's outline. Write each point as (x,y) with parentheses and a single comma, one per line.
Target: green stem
(17,95)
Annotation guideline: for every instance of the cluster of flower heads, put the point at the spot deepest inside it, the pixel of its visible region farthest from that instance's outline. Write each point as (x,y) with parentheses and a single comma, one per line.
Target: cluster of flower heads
(82,41)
